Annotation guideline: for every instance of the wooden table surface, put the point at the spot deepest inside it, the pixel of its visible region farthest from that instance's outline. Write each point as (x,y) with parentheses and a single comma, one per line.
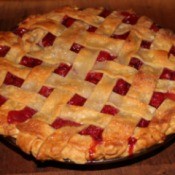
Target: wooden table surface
(15,162)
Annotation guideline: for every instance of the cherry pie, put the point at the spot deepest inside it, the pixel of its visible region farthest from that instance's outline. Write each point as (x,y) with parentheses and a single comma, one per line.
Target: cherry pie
(85,85)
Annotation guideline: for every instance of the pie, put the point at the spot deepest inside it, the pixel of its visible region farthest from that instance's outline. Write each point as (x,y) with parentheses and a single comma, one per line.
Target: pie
(87,84)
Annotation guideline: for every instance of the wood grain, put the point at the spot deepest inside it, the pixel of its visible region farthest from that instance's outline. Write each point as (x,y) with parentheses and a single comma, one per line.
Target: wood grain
(15,162)
(13,11)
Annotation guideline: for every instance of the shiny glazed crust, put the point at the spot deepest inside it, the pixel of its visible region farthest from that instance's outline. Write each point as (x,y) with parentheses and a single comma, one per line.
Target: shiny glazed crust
(120,134)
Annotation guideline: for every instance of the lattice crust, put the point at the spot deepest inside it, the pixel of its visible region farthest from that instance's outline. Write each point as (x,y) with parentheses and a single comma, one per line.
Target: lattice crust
(87,84)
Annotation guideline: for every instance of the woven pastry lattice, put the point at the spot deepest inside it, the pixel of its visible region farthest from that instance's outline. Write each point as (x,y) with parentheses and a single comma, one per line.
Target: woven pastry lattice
(87,84)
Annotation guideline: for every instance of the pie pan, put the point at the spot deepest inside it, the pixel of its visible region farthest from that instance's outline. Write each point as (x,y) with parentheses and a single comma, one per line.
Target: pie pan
(144,154)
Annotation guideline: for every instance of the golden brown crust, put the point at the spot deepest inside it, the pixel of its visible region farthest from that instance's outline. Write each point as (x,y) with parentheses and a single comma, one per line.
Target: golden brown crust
(87,132)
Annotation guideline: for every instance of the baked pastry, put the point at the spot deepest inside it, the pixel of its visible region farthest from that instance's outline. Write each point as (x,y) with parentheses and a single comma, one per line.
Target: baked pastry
(85,85)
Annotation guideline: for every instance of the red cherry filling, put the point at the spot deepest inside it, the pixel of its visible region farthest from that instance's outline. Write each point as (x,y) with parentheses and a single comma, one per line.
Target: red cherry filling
(2,100)
(76,47)
(105,13)
(94,77)
(131,142)
(157,99)
(11,79)
(30,62)
(108,109)
(130,18)
(21,115)
(167,74)
(48,40)
(77,100)
(59,122)
(170,96)
(155,27)
(94,131)
(4,50)
(143,123)
(68,21)
(121,87)
(92,150)
(62,69)
(45,91)
(122,36)
(172,51)
(105,56)
(92,29)
(20,31)
(145,44)
(135,62)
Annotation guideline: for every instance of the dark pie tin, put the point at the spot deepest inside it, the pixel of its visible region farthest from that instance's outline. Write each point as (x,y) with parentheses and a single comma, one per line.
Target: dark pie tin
(96,164)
